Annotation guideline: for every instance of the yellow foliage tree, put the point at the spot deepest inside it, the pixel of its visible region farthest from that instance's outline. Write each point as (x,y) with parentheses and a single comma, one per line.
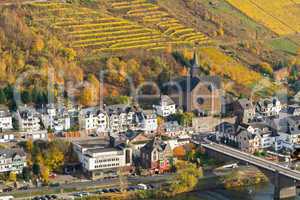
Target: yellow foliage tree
(266,67)
(186,178)
(45,172)
(54,159)
(38,44)
(12,177)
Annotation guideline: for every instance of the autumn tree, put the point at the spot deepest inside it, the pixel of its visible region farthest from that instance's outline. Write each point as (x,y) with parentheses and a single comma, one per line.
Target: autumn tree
(266,68)
(186,178)
(179,152)
(38,44)
(45,173)
(54,159)
(12,177)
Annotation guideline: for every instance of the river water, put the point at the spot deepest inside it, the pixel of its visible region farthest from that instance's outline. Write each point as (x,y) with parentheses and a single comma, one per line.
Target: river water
(258,192)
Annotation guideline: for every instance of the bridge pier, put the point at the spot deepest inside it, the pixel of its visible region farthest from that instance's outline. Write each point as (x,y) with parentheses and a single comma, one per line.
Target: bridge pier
(284,181)
(284,187)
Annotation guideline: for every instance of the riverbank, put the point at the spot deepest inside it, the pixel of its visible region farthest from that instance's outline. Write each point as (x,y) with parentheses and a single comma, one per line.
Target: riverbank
(228,179)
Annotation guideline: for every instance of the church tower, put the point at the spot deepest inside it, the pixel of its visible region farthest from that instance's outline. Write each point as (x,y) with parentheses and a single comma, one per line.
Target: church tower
(195,69)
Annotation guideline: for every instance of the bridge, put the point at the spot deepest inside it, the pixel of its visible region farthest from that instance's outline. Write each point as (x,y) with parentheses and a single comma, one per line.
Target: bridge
(283,178)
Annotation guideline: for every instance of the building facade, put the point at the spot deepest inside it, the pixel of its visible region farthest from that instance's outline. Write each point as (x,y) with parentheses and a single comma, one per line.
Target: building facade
(100,158)
(28,119)
(166,106)
(157,156)
(12,160)
(5,119)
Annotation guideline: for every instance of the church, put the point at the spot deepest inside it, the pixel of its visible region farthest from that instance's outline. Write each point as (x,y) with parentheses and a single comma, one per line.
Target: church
(199,94)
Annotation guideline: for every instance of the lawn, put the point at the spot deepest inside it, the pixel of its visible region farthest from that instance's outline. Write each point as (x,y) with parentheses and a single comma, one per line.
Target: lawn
(284,45)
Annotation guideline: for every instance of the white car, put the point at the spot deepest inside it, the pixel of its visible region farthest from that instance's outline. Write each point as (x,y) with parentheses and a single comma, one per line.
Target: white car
(142,186)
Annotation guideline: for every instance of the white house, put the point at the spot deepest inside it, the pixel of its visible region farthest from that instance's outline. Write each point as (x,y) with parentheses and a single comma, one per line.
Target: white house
(7,137)
(147,121)
(101,158)
(166,106)
(12,160)
(28,119)
(57,119)
(5,119)
(121,118)
(268,107)
(94,119)
(269,137)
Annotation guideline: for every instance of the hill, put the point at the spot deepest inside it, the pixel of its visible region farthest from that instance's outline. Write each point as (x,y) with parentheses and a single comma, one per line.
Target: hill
(138,38)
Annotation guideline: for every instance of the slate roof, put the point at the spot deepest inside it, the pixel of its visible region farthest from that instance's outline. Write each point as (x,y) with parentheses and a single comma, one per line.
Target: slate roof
(155,143)
(9,153)
(187,84)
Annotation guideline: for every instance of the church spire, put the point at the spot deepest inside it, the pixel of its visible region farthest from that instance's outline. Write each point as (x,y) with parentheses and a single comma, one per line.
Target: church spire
(195,69)
(195,60)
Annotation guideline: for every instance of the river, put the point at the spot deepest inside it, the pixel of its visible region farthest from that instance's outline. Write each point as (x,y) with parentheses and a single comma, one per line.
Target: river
(258,192)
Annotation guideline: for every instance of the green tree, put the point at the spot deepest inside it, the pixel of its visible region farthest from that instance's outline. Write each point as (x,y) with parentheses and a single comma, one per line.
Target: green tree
(2,97)
(26,174)
(36,169)
(185,118)
(26,97)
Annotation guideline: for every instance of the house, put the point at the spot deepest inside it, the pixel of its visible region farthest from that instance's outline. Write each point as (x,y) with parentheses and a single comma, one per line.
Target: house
(34,135)
(247,141)
(290,130)
(179,141)
(226,133)
(56,119)
(137,140)
(268,107)
(147,121)
(201,95)
(172,129)
(28,119)
(102,158)
(6,137)
(93,119)
(5,119)
(12,160)
(156,156)
(166,106)
(244,110)
(121,118)
(293,110)
(269,137)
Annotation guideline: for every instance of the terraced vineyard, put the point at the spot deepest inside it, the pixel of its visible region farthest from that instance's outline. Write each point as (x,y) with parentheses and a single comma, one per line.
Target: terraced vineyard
(281,16)
(152,15)
(87,29)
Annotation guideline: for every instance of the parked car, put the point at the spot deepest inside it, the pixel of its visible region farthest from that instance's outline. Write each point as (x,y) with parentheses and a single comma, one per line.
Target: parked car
(105,190)
(9,189)
(142,186)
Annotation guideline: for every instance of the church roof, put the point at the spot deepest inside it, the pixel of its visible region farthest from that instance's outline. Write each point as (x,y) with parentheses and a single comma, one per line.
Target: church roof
(187,84)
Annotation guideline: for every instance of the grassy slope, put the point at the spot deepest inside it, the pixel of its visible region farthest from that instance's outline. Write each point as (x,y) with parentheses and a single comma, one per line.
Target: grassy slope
(222,13)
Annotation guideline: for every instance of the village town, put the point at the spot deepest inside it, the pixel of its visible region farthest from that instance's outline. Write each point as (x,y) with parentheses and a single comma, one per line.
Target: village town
(109,141)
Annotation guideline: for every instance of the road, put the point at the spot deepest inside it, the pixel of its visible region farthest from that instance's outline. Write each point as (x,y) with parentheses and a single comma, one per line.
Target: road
(251,159)
(84,185)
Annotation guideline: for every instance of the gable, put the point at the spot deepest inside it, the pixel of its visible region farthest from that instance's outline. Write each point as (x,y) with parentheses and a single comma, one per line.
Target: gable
(140,138)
